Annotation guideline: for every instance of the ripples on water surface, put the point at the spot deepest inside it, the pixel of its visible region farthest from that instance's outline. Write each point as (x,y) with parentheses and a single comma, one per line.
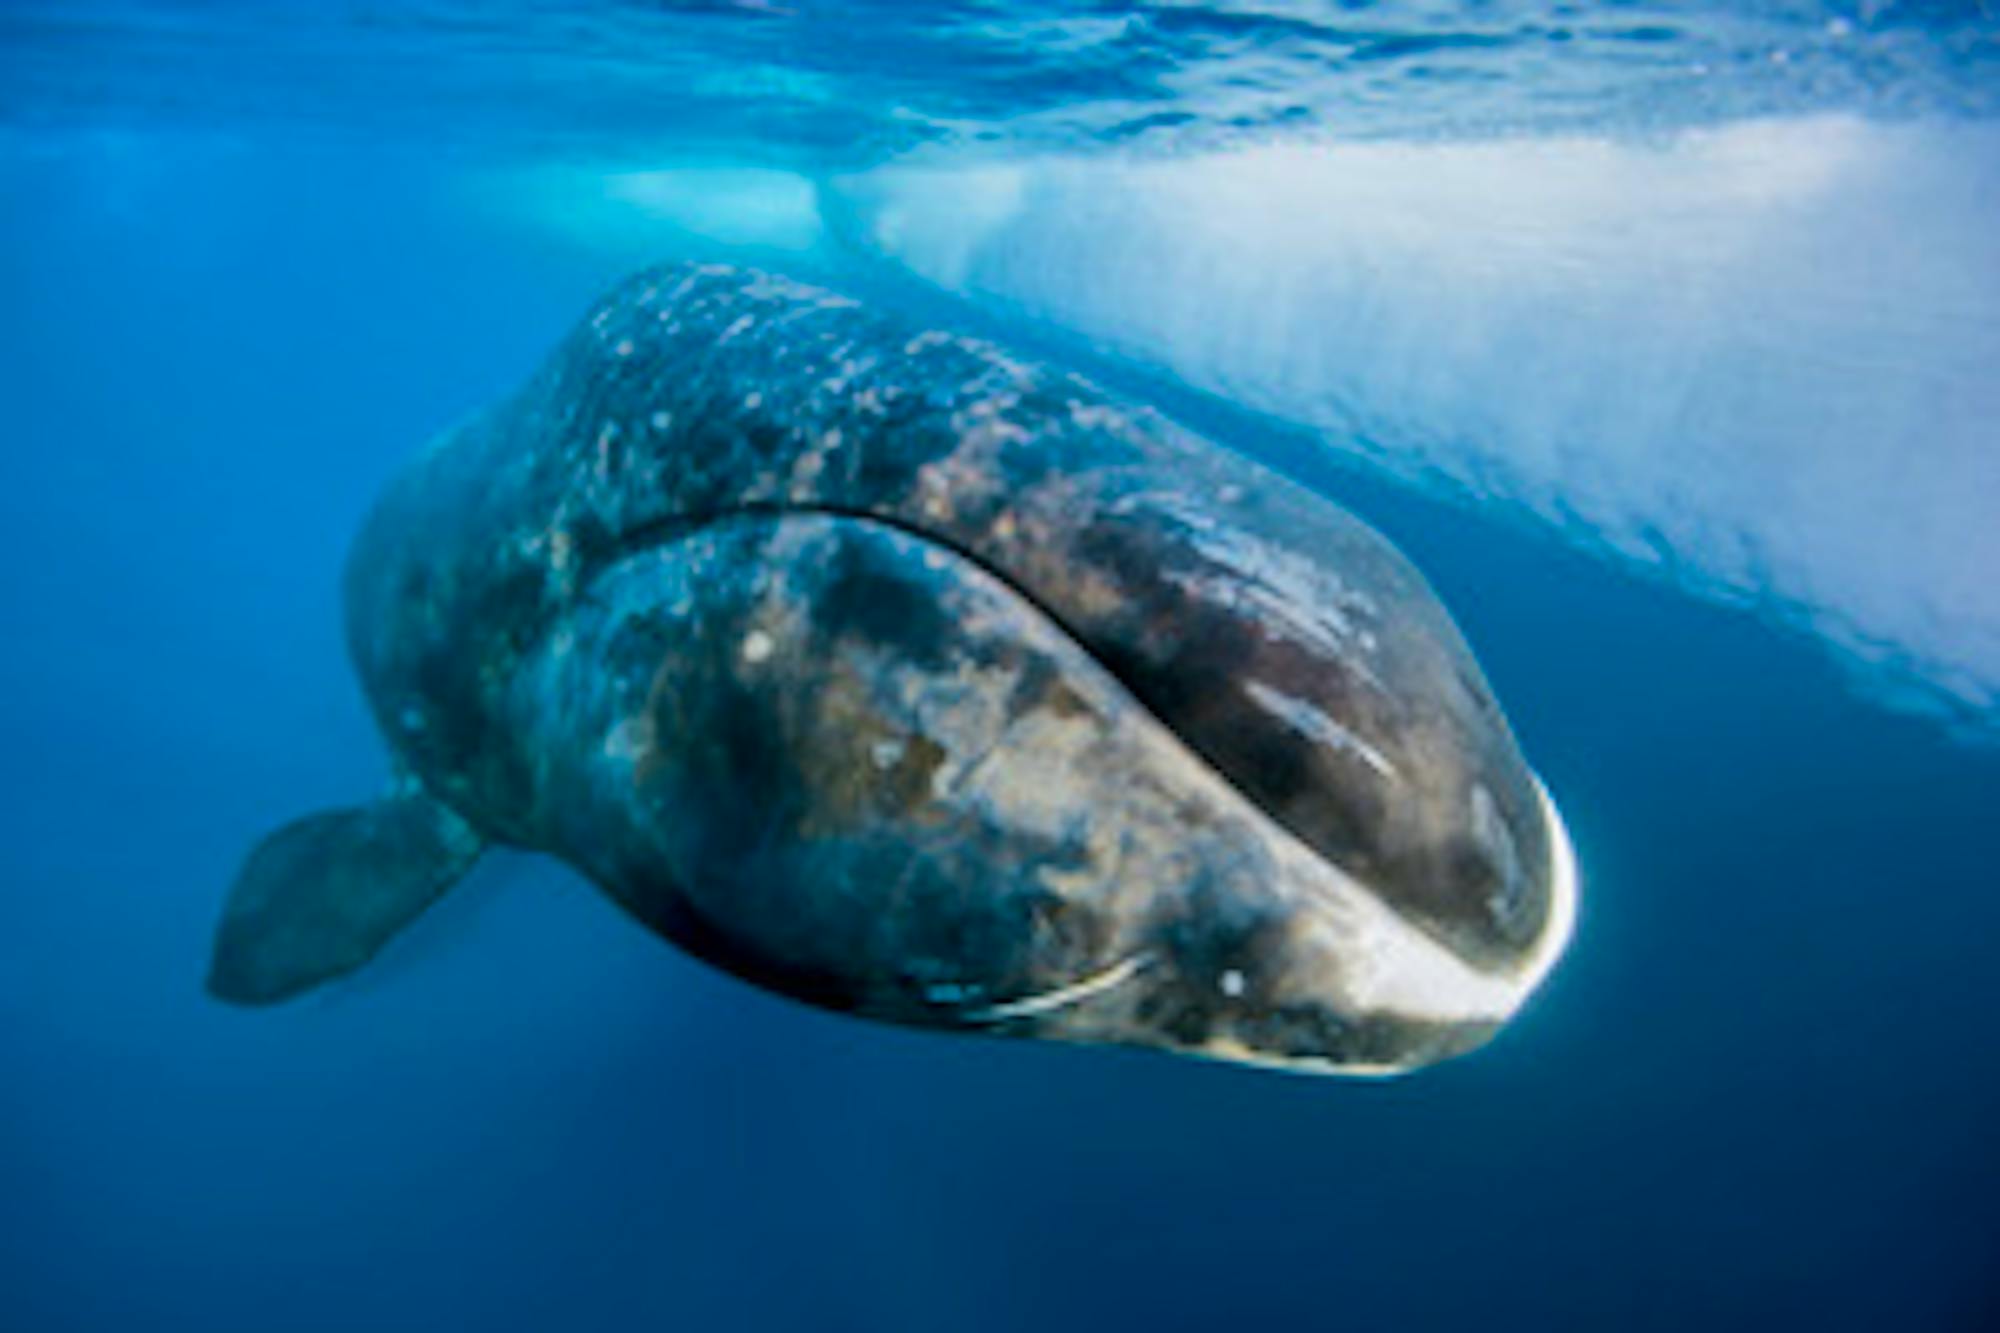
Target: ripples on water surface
(805,81)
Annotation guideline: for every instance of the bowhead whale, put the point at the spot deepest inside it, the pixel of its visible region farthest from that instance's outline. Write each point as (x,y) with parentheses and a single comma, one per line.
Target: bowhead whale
(894,672)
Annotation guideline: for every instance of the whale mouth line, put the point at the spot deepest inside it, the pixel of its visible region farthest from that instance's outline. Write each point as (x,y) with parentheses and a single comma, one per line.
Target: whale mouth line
(666,531)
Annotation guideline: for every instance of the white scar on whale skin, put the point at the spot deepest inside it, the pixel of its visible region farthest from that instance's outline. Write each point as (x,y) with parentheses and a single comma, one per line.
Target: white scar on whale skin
(1302,717)
(1063,997)
(1303,599)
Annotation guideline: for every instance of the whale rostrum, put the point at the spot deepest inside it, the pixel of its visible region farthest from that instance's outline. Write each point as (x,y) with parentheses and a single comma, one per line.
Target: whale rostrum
(897,673)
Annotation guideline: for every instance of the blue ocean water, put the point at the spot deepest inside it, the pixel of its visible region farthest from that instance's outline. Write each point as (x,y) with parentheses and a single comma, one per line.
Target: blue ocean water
(254,255)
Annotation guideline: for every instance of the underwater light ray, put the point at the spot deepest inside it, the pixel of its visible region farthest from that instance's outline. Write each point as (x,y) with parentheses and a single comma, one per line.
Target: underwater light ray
(1756,359)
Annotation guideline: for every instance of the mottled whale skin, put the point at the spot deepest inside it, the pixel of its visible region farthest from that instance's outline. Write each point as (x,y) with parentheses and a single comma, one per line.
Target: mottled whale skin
(896,673)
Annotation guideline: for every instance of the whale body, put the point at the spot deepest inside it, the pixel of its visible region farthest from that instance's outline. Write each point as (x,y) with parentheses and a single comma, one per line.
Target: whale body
(894,672)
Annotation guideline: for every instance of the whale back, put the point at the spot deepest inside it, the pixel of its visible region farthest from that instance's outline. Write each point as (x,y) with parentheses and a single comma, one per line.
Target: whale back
(1283,642)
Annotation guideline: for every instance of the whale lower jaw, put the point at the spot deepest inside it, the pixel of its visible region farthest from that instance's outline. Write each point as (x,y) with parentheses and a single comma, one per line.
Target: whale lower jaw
(1477,1004)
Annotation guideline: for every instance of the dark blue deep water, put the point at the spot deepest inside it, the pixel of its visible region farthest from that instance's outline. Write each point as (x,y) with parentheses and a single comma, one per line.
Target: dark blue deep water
(238,285)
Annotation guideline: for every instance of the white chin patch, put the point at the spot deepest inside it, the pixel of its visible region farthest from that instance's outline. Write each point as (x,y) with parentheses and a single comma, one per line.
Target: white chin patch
(1561,923)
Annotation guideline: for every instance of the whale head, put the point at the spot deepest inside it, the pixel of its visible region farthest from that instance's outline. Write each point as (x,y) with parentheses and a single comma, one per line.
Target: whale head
(857,768)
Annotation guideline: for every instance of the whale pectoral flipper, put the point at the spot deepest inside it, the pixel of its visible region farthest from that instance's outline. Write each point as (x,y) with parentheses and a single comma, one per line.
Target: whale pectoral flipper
(320,896)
